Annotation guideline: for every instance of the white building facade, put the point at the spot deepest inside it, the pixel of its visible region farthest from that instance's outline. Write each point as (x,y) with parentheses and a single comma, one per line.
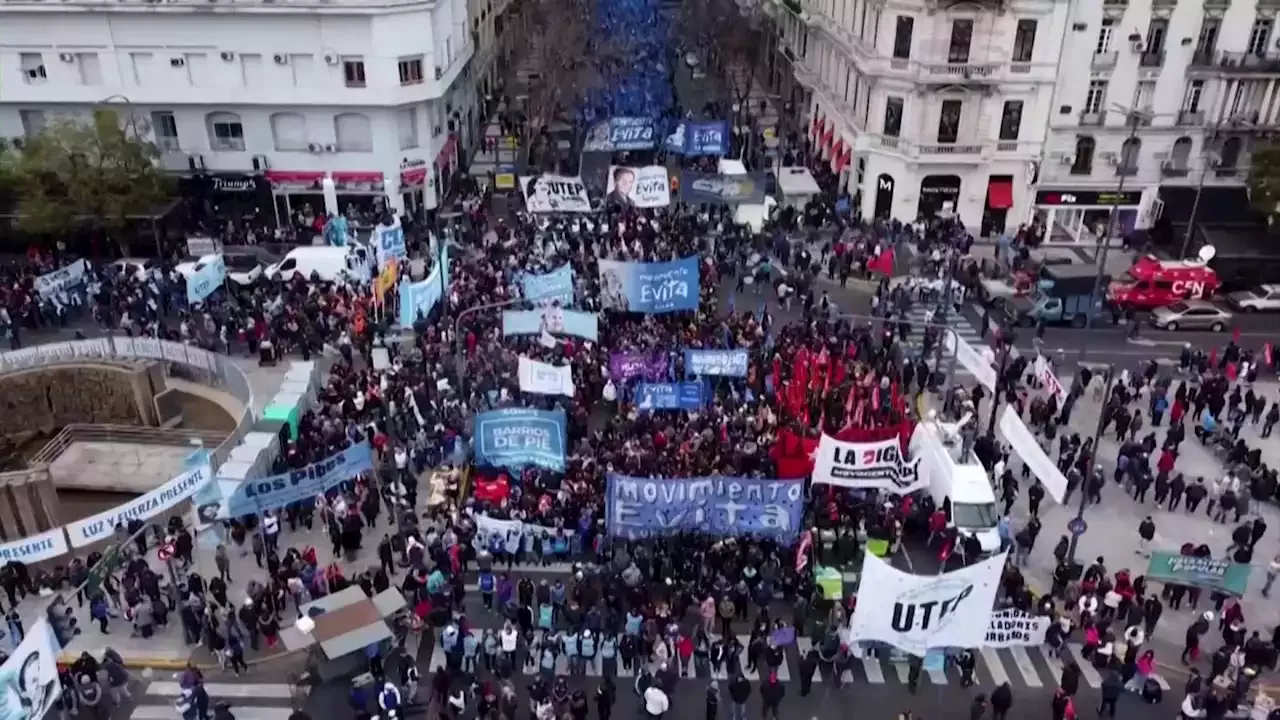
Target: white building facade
(322,102)
(1160,97)
(928,108)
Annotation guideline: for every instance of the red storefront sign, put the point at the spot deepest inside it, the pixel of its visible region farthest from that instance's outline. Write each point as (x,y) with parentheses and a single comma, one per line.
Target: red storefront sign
(414,177)
(448,152)
(295,180)
(358,181)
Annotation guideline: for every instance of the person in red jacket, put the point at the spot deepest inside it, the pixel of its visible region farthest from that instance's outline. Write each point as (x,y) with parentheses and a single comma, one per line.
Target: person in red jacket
(684,649)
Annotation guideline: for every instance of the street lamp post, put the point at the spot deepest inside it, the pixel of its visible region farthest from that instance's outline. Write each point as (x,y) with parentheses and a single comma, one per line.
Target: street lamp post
(128,105)
(459,359)
(1209,161)
(1093,464)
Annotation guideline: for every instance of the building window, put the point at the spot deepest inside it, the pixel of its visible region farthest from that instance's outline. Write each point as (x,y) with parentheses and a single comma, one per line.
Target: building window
(902,37)
(1230,156)
(1083,163)
(1096,96)
(1024,41)
(289,132)
(353,72)
(1260,36)
(165,129)
(411,70)
(961,38)
(1129,152)
(1180,158)
(1144,96)
(1157,33)
(353,132)
(407,123)
(1191,100)
(33,122)
(1104,36)
(893,116)
(1208,40)
(225,131)
(1011,120)
(90,68)
(33,71)
(949,121)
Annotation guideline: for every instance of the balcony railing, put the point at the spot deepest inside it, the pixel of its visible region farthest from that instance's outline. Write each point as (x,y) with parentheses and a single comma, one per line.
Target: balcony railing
(1228,173)
(949,149)
(1191,117)
(1126,170)
(1007,146)
(1170,170)
(1105,59)
(1115,3)
(1153,59)
(1092,118)
(959,71)
(1245,62)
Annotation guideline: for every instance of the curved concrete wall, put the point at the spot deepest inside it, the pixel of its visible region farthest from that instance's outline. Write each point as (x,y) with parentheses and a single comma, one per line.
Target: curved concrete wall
(46,399)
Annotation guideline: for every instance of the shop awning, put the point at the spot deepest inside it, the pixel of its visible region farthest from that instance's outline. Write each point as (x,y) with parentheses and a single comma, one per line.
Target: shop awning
(1000,194)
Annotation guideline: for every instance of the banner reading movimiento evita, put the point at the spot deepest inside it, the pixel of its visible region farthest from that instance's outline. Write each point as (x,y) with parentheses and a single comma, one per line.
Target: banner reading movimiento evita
(724,506)
(519,437)
(650,288)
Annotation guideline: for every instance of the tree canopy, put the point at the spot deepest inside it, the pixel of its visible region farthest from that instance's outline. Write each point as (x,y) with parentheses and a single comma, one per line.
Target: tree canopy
(728,39)
(1264,179)
(79,173)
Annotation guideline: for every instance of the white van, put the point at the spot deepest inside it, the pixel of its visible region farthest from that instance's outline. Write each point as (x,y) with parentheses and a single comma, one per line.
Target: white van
(962,480)
(332,264)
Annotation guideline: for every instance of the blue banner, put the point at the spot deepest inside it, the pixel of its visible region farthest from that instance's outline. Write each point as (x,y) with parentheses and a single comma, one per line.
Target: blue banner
(389,243)
(422,296)
(699,138)
(707,363)
(555,285)
(669,396)
(722,506)
(556,321)
(621,133)
(269,493)
(649,287)
(518,437)
(207,277)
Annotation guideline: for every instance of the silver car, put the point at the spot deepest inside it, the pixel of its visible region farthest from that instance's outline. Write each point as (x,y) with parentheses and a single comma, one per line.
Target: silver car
(1191,315)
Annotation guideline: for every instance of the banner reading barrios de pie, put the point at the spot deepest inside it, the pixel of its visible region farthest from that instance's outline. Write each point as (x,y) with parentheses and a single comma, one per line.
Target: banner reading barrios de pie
(642,187)
(555,193)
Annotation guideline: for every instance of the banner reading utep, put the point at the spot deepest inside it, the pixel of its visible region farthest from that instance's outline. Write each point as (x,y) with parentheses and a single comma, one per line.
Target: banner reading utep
(519,437)
(705,363)
(669,396)
(628,366)
(649,287)
(621,133)
(698,188)
(722,506)
(642,187)
(555,193)
(208,276)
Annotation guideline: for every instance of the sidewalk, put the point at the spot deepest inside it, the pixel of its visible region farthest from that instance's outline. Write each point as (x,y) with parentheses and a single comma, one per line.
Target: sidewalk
(1112,529)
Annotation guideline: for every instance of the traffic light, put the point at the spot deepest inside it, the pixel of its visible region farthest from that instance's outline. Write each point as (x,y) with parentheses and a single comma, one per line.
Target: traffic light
(63,621)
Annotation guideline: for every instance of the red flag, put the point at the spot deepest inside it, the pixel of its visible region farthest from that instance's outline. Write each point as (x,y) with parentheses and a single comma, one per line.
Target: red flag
(883,263)
(802,551)
(1266,353)
(793,454)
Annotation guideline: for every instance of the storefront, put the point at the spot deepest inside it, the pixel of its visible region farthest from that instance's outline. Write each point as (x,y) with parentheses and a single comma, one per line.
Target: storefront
(886,185)
(1082,216)
(417,189)
(445,164)
(999,200)
(359,195)
(220,196)
(939,196)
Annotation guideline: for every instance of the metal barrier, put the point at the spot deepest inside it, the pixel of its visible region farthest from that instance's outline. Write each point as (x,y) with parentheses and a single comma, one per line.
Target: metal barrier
(190,363)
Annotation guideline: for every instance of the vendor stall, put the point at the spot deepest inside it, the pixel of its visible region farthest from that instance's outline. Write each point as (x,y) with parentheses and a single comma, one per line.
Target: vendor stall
(338,630)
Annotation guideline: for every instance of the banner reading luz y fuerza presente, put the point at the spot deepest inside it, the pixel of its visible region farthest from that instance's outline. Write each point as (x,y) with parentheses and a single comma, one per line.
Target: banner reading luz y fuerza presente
(555,193)
(917,613)
(642,187)
(519,437)
(276,491)
(649,288)
(723,506)
(102,525)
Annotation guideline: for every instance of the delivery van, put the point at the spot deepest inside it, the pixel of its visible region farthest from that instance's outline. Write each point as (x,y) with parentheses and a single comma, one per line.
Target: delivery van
(958,481)
(352,263)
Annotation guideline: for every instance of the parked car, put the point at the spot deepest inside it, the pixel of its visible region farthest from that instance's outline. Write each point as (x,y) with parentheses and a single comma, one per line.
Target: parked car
(136,268)
(1260,298)
(1191,315)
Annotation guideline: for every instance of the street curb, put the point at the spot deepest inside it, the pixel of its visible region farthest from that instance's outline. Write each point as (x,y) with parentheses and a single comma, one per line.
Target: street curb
(156,663)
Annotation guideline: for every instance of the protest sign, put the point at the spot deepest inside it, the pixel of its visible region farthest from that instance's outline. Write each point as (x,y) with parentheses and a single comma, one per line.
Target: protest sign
(64,278)
(207,276)
(1012,627)
(555,193)
(699,188)
(650,287)
(555,286)
(545,379)
(669,396)
(721,506)
(714,363)
(631,365)
(642,187)
(276,491)
(556,321)
(621,133)
(518,437)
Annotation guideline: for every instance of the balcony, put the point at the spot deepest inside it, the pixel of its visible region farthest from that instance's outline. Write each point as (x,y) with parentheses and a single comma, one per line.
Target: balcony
(1121,4)
(1231,173)
(1203,62)
(1191,117)
(1127,170)
(1170,170)
(1007,146)
(1105,60)
(958,72)
(1092,118)
(1217,6)
(949,149)
(1164,4)
(1153,59)
(893,143)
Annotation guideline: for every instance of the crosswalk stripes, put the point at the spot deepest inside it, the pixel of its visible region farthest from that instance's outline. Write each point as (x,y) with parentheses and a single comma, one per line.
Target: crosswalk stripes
(248,701)
(1031,667)
(955,320)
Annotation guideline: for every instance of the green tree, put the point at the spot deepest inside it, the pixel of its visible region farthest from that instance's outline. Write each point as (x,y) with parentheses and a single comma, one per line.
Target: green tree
(94,174)
(729,40)
(1264,179)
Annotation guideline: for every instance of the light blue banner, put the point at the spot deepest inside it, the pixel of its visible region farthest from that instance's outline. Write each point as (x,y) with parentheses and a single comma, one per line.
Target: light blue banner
(554,320)
(638,507)
(276,491)
(519,437)
(389,240)
(207,278)
(669,396)
(555,285)
(649,287)
(423,295)
(707,363)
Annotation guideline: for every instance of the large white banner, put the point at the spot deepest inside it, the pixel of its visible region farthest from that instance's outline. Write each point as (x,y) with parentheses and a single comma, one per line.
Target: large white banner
(29,684)
(512,532)
(555,193)
(103,524)
(642,187)
(967,356)
(1012,627)
(544,379)
(35,548)
(61,279)
(1024,445)
(916,613)
(1044,373)
(871,465)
